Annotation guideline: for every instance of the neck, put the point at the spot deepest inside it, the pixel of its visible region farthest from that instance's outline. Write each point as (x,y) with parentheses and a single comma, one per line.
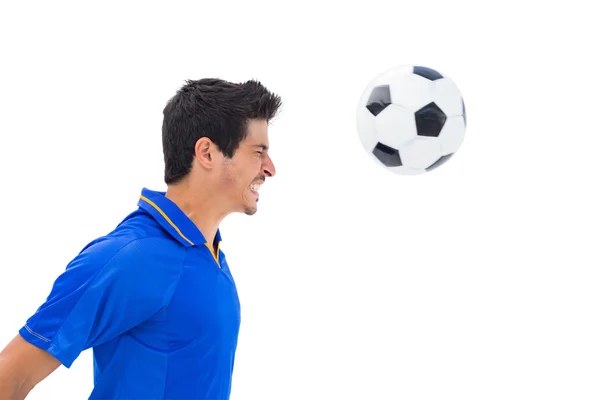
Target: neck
(199,206)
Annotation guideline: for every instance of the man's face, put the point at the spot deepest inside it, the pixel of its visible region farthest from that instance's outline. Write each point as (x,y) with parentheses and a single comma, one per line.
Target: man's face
(247,170)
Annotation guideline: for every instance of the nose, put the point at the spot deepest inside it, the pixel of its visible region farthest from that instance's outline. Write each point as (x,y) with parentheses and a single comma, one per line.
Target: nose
(268,167)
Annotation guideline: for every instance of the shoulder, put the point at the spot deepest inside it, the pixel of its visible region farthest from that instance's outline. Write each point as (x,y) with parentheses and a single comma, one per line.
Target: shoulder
(137,237)
(132,257)
(147,249)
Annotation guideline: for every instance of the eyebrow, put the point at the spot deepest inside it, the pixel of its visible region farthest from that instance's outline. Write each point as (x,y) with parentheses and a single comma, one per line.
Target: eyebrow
(262,146)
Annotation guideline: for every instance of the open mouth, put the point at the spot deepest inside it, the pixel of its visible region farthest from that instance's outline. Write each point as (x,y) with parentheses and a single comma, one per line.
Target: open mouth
(255,187)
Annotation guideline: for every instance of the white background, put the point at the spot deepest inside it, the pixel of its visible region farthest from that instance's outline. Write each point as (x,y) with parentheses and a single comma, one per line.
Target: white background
(476,281)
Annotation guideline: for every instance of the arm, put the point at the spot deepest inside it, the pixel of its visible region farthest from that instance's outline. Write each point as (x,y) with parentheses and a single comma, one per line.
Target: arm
(108,289)
(22,367)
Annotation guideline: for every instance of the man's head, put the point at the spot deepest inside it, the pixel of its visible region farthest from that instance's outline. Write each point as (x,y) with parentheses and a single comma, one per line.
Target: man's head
(215,134)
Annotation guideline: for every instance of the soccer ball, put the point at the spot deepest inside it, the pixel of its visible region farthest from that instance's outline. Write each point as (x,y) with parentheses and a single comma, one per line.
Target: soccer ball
(411,119)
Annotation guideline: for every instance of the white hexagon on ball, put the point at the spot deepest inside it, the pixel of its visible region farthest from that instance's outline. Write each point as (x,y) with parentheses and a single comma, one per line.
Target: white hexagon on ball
(421,153)
(395,126)
(452,135)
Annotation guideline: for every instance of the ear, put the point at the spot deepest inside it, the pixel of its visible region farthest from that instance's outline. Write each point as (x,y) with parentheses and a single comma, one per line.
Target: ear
(205,152)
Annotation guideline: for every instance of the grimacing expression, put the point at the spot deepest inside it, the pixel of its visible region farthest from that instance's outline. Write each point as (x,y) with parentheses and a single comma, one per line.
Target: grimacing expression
(247,170)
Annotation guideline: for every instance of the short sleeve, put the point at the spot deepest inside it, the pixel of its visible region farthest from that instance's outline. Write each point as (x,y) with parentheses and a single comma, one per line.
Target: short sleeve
(108,289)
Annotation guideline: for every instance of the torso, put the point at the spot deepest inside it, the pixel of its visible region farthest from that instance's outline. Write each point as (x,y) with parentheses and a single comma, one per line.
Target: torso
(186,350)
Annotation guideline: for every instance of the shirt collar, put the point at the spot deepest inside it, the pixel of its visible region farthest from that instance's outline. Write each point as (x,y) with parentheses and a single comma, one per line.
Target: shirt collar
(172,218)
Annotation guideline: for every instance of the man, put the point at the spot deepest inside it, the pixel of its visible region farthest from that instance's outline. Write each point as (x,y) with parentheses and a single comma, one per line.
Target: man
(155,298)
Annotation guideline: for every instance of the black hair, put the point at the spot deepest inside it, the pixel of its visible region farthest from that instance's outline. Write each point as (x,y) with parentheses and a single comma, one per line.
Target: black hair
(212,108)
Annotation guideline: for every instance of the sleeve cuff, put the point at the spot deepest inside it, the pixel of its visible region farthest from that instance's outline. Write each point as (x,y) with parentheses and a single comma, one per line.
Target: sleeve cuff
(45,344)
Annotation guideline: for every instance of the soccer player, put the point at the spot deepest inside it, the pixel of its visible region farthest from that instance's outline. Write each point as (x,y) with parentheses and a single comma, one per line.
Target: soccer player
(155,298)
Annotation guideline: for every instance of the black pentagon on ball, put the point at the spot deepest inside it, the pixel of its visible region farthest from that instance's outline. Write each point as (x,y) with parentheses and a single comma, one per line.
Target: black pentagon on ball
(388,156)
(427,73)
(379,99)
(430,120)
(439,162)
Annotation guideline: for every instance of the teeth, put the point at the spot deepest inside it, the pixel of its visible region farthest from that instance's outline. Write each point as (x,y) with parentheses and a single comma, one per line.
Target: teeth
(255,187)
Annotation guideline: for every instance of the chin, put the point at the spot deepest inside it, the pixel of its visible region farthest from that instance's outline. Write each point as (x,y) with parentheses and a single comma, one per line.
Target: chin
(250,210)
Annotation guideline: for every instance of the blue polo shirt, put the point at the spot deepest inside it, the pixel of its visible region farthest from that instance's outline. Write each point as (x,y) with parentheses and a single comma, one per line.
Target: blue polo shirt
(158,306)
